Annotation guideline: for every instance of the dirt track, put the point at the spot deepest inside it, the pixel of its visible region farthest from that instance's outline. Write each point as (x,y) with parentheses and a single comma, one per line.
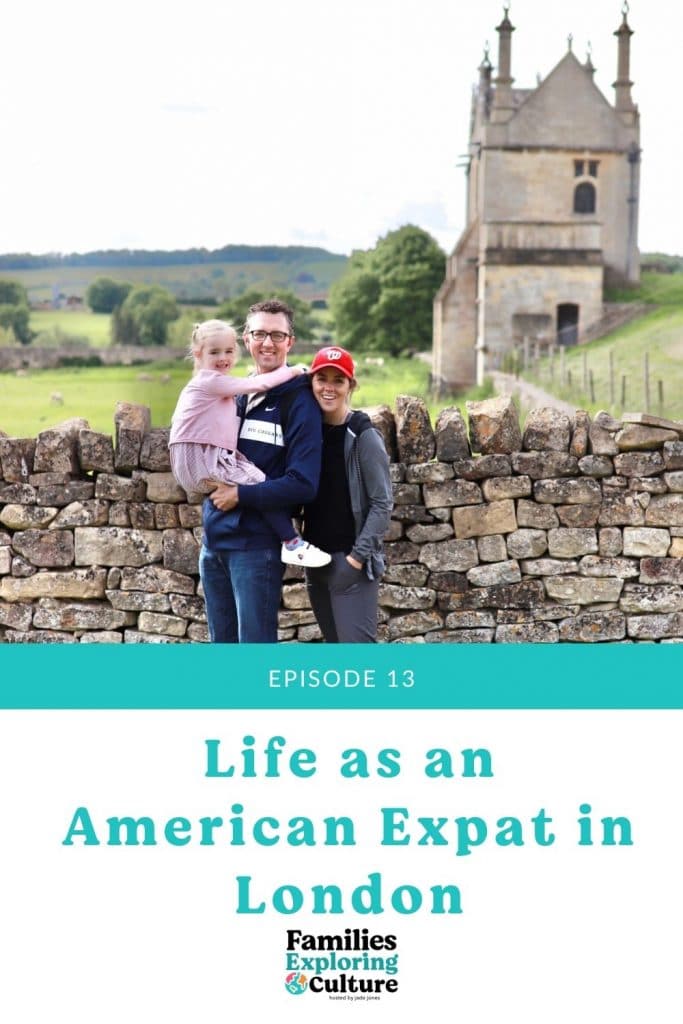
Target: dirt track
(528,395)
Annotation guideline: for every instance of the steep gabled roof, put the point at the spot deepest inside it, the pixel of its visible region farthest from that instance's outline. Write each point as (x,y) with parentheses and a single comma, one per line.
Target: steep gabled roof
(567,110)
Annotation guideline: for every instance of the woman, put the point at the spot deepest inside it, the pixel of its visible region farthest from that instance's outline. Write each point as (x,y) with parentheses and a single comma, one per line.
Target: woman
(351,512)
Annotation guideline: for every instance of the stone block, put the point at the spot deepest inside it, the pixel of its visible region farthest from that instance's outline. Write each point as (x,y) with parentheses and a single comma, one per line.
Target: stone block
(526,543)
(494,426)
(549,567)
(411,514)
(546,429)
(93,512)
(157,622)
(26,517)
(141,515)
(655,627)
(198,633)
(19,494)
(494,573)
(16,616)
(16,458)
(414,435)
(578,446)
(39,636)
(639,464)
(102,636)
(64,494)
(449,555)
(162,487)
(166,517)
(56,449)
(578,515)
(21,568)
(460,636)
(665,510)
(597,566)
(672,453)
(596,465)
(492,548)
(640,597)
(451,436)
(413,598)
(413,623)
(500,487)
(610,541)
(593,627)
(448,582)
(406,575)
(546,464)
(382,419)
(407,494)
(452,493)
(119,488)
(119,513)
(401,551)
(421,534)
(188,515)
(571,543)
(652,570)
(180,551)
(428,473)
(483,467)
(114,545)
(5,560)
(76,615)
(555,491)
(137,636)
(138,601)
(643,542)
(154,450)
(636,437)
(674,480)
(536,517)
(527,594)
(394,531)
(469,619)
(153,579)
(131,423)
(676,549)
(95,451)
(583,589)
(45,548)
(295,596)
(528,633)
(601,441)
(479,520)
(81,584)
(621,510)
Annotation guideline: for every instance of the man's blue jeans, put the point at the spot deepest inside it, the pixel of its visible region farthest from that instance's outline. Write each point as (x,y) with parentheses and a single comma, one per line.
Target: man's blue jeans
(242,594)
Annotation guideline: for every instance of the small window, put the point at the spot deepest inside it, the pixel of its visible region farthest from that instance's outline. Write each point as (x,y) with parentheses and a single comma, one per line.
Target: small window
(578,168)
(593,168)
(584,198)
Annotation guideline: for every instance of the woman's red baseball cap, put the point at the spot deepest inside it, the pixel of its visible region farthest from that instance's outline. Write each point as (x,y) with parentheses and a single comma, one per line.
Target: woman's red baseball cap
(336,357)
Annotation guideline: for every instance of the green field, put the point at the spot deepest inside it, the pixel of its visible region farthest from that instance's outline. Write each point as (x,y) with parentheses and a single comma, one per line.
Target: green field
(657,335)
(308,278)
(92,392)
(94,328)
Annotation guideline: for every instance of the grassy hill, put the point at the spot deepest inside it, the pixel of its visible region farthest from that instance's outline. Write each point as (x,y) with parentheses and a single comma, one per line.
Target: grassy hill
(308,274)
(658,336)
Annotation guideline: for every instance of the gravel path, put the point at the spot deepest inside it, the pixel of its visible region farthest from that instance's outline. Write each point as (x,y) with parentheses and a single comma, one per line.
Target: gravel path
(527,394)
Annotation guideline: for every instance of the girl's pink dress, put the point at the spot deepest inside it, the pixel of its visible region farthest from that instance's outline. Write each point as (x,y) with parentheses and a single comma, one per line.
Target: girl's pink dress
(205,425)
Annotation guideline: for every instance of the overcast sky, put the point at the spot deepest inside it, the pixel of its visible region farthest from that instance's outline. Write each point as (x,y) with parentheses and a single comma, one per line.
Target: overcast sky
(167,125)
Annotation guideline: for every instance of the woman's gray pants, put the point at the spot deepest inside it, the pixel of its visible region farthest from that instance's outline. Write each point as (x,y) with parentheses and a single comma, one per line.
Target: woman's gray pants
(344,601)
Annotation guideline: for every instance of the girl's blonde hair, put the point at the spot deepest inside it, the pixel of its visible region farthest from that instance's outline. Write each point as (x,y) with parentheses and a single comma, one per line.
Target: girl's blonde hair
(205,332)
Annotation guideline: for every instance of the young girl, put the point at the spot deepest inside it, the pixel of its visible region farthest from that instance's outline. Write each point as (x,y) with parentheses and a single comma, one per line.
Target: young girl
(205,425)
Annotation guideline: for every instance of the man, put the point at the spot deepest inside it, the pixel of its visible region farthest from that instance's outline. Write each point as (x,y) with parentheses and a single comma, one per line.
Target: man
(281,433)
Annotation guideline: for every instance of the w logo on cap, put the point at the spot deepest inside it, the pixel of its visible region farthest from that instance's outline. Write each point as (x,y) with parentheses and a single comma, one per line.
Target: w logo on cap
(333,353)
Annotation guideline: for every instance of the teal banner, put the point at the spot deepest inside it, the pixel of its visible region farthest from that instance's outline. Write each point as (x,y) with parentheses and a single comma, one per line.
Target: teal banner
(401,676)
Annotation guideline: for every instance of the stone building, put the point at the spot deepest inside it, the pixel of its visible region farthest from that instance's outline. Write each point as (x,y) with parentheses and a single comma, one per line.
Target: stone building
(552,213)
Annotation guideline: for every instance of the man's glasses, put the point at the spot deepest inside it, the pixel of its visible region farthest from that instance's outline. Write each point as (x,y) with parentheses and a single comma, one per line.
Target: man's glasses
(277,337)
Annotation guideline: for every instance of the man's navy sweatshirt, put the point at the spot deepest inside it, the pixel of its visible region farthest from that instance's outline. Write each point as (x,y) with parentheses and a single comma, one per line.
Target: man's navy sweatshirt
(290,459)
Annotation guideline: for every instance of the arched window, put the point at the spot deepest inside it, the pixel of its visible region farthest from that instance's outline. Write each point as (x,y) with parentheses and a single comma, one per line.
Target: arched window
(584,198)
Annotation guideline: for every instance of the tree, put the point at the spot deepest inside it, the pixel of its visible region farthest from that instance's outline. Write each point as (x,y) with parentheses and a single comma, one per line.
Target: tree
(144,316)
(235,310)
(384,300)
(104,294)
(14,311)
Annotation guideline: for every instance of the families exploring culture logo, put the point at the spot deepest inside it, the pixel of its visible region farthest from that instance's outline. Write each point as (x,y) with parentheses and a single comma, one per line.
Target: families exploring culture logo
(282,443)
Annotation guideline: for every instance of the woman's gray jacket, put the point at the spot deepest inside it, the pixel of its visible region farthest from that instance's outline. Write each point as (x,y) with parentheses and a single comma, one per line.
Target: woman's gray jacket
(367,474)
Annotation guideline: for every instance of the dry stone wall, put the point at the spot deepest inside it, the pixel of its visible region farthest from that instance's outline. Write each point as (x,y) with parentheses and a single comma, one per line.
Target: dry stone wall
(568,530)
